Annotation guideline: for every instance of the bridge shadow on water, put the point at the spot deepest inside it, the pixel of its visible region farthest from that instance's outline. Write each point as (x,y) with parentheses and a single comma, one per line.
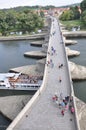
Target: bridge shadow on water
(4,121)
(4,93)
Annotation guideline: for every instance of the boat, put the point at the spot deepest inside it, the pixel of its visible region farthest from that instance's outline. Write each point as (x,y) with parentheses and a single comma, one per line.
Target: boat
(18,81)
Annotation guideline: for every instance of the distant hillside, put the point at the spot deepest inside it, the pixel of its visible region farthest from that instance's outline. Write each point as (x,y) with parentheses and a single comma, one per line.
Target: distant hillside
(22,8)
(66,6)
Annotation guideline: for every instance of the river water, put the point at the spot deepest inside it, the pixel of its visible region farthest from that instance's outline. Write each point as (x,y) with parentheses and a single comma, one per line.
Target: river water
(12,55)
(80,86)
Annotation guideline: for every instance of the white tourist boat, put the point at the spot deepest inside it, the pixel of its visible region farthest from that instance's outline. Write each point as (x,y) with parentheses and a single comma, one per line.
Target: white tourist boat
(18,81)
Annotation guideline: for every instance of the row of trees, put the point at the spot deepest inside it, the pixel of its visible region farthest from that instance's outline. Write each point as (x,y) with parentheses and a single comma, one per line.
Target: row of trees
(24,21)
(73,13)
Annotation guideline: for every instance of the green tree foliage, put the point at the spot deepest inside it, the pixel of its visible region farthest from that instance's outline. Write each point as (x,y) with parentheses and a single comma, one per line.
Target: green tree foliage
(42,14)
(24,21)
(83,14)
(67,15)
(75,12)
(83,5)
(83,17)
(71,14)
(3,24)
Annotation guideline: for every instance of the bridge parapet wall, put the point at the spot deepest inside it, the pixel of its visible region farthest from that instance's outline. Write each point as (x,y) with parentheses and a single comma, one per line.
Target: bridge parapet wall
(71,85)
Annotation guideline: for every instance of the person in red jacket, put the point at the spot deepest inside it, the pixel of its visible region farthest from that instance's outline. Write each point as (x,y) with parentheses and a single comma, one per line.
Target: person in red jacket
(62,112)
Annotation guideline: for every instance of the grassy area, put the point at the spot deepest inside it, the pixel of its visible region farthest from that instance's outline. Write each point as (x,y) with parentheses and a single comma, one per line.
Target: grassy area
(73,23)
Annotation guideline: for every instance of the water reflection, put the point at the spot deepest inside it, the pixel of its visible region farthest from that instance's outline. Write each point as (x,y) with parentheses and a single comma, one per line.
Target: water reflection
(4,93)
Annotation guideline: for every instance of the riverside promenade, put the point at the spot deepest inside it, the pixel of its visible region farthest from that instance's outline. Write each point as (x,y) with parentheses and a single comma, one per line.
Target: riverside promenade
(41,113)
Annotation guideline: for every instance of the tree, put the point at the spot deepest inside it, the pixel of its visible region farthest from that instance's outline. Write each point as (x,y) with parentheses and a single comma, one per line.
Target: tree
(75,12)
(67,15)
(83,17)
(83,5)
(29,21)
(3,24)
(71,14)
(42,14)
(25,21)
(11,19)
(83,9)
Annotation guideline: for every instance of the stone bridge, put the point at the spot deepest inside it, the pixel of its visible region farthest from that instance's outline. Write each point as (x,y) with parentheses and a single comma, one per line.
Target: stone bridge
(41,112)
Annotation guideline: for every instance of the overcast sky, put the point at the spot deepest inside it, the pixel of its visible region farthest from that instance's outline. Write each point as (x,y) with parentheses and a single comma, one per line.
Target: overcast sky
(15,3)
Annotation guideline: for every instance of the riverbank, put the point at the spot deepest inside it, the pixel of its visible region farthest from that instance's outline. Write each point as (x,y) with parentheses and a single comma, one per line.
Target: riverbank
(70,34)
(26,37)
(41,36)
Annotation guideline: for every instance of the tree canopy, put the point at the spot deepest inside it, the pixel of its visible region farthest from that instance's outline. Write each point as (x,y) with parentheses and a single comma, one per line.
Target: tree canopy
(83,17)
(71,14)
(83,5)
(23,21)
(83,9)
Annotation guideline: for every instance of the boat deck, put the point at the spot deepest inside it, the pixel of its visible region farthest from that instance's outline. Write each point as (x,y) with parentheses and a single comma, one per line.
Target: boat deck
(12,81)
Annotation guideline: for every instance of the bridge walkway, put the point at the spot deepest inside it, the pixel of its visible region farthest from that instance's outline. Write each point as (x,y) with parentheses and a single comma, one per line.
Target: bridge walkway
(45,114)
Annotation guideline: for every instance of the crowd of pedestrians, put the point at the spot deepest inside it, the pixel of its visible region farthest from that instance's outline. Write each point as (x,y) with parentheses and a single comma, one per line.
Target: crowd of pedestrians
(64,103)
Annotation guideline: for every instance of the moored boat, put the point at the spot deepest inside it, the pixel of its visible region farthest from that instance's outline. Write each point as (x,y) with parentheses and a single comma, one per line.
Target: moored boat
(18,81)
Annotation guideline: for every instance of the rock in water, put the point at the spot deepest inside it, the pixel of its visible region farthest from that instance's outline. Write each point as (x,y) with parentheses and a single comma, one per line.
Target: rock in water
(72,53)
(78,72)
